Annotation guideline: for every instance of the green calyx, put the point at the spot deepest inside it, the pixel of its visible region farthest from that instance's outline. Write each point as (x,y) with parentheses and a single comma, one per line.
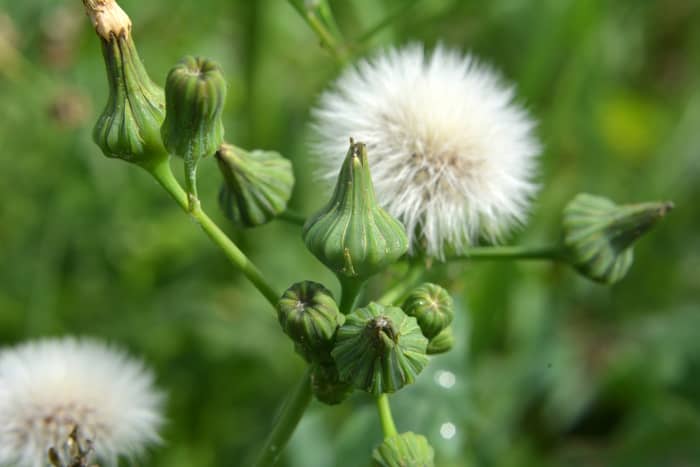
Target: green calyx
(129,126)
(441,343)
(327,386)
(257,185)
(352,235)
(432,307)
(195,92)
(404,450)
(309,315)
(379,349)
(599,234)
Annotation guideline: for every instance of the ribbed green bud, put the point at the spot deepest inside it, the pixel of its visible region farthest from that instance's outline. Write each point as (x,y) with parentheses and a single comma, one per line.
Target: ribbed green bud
(598,234)
(327,385)
(441,343)
(379,349)
(404,450)
(257,185)
(195,91)
(129,126)
(432,307)
(352,234)
(309,315)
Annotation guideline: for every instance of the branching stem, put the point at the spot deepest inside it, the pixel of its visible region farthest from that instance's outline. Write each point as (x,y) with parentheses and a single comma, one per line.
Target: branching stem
(385,417)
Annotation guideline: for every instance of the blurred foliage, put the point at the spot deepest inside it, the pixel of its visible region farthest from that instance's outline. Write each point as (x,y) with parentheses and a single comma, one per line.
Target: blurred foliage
(549,370)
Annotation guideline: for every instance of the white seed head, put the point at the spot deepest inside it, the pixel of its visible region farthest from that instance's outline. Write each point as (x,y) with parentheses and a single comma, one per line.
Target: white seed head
(49,386)
(452,156)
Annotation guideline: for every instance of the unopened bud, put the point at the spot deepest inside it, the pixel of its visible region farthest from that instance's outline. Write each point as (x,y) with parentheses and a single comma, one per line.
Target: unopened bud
(195,91)
(432,306)
(404,450)
(599,234)
(129,126)
(309,315)
(379,349)
(352,235)
(257,185)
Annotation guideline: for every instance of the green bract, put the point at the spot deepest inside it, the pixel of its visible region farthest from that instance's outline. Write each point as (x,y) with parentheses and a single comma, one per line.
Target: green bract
(432,306)
(129,126)
(352,235)
(441,343)
(379,349)
(195,91)
(599,234)
(309,315)
(404,450)
(257,185)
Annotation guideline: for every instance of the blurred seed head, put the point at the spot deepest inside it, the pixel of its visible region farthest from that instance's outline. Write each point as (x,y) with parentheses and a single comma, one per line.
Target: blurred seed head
(50,386)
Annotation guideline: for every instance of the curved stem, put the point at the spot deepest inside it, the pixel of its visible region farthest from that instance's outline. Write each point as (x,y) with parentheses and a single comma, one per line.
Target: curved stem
(397,292)
(162,173)
(551,253)
(286,422)
(385,417)
(292,217)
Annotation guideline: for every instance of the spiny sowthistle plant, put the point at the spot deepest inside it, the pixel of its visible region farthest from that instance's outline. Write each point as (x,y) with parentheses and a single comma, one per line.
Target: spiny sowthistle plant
(439,157)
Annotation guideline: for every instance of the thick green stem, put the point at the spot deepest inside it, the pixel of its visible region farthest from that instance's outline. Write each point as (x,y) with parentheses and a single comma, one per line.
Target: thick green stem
(288,419)
(162,173)
(550,253)
(350,293)
(387,421)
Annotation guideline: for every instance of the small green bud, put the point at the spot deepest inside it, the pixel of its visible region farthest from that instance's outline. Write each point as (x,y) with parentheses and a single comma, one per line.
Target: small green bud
(352,235)
(327,385)
(379,349)
(404,450)
(309,315)
(129,126)
(598,234)
(257,185)
(432,306)
(195,91)
(441,343)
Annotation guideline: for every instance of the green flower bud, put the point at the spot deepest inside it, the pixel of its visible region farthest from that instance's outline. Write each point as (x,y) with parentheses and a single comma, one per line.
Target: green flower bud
(327,385)
(352,235)
(441,343)
(129,126)
(404,450)
(432,306)
(379,349)
(309,315)
(257,185)
(598,234)
(195,91)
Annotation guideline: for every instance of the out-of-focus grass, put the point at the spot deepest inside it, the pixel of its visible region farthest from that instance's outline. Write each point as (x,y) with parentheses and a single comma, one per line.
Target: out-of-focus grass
(550,369)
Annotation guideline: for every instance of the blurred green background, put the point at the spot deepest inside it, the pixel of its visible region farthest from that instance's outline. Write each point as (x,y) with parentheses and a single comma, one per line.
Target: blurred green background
(549,370)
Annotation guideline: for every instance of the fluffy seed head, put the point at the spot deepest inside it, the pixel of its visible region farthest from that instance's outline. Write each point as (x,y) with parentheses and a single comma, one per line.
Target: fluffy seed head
(49,386)
(451,155)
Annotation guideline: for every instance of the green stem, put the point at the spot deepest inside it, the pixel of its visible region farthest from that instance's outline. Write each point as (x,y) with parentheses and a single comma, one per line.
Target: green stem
(328,40)
(286,422)
(162,173)
(387,421)
(402,287)
(552,253)
(390,18)
(350,293)
(292,217)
